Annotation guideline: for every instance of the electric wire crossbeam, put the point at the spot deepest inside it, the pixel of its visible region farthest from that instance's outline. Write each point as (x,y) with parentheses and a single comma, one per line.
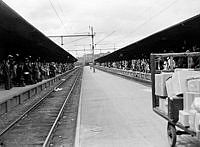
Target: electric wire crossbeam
(67,36)
(79,35)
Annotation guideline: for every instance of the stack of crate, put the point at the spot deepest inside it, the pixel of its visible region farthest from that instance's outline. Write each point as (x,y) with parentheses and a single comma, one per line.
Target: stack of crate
(185,83)
(190,104)
(161,91)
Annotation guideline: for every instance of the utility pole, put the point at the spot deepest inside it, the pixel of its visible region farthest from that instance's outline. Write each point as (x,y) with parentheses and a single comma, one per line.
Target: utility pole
(79,35)
(62,42)
(92,34)
(84,57)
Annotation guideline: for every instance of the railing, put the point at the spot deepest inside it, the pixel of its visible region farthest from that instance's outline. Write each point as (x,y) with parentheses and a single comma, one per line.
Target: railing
(19,97)
(146,77)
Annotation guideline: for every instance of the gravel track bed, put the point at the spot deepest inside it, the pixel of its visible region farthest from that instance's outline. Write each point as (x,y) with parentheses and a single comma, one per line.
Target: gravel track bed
(64,135)
(7,118)
(32,129)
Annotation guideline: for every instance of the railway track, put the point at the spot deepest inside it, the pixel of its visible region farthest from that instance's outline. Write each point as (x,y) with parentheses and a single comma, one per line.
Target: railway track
(37,125)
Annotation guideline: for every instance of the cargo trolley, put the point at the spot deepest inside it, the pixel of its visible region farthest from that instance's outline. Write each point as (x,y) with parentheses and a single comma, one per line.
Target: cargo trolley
(174,105)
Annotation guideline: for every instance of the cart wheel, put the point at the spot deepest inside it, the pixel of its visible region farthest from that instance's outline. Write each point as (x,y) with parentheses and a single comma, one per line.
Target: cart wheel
(171,132)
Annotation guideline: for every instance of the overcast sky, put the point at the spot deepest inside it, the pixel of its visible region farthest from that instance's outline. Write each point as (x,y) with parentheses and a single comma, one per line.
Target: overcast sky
(117,23)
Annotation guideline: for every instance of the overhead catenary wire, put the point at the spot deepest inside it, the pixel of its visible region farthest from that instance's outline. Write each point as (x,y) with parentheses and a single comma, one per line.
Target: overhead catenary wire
(62,12)
(141,25)
(81,29)
(54,9)
(60,7)
(89,49)
(150,18)
(95,44)
(78,39)
(142,12)
(86,36)
(106,37)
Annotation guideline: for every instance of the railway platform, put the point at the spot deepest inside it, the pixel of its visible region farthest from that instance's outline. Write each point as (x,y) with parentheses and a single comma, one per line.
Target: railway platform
(17,95)
(8,94)
(117,112)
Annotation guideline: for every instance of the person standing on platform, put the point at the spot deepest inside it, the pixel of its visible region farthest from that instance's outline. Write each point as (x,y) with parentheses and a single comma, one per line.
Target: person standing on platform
(42,71)
(35,72)
(12,71)
(39,72)
(52,69)
(47,70)
(20,74)
(27,73)
(196,59)
(6,74)
(19,70)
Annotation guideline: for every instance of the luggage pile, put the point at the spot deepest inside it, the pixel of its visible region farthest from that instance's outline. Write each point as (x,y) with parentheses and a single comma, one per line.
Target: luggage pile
(179,96)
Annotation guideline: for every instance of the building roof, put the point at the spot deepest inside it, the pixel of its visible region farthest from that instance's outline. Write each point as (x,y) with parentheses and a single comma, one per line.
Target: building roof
(184,34)
(20,37)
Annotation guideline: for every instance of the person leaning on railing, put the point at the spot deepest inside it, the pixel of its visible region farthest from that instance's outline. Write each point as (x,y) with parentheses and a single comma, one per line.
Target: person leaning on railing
(196,59)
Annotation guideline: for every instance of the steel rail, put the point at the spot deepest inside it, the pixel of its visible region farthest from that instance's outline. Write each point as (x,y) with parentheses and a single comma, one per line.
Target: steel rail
(45,144)
(31,108)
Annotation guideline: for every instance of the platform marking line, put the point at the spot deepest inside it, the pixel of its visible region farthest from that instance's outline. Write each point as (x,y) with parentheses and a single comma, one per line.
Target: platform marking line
(78,122)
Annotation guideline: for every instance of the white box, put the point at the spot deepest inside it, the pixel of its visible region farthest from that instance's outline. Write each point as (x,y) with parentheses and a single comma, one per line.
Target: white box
(166,106)
(160,85)
(163,105)
(184,118)
(169,87)
(197,121)
(179,79)
(194,85)
(188,98)
(192,119)
(157,83)
(198,134)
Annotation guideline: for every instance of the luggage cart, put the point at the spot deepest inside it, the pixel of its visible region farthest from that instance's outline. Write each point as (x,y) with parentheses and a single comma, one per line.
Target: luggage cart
(172,114)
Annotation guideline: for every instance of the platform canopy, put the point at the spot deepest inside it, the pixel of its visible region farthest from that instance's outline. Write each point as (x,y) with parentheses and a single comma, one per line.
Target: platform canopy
(17,36)
(177,38)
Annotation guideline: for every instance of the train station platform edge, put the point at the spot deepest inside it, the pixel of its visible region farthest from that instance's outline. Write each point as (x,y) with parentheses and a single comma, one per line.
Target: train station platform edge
(15,91)
(17,95)
(78,122)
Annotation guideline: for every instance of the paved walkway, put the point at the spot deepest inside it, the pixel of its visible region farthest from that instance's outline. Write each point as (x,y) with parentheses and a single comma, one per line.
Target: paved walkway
(116,112)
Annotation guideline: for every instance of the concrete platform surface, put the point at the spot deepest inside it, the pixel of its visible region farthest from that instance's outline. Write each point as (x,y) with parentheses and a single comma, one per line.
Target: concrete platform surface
(8,94)
(116,112)
(14,91)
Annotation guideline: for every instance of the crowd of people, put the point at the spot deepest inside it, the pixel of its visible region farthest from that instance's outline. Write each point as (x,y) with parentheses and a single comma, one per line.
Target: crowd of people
(142,65)
(15,71)
(166,63)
